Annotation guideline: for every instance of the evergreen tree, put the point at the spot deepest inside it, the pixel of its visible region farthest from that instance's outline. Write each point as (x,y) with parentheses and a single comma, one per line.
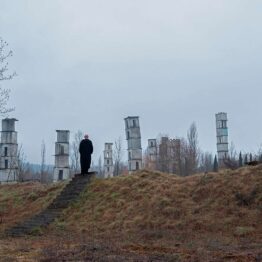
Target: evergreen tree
(240,160)
(246,160)
(215,166)
(250,157)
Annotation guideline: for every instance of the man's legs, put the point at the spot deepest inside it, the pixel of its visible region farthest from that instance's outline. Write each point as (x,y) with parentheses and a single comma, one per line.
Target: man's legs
(83,165)
(88,163)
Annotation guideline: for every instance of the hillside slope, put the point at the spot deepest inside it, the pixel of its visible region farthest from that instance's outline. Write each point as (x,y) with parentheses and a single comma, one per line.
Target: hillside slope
(20,201)
(229,202)
(152,216)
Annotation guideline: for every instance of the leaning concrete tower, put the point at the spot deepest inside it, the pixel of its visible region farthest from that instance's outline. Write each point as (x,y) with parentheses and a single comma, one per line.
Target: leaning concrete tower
(8,149)
(222,137)
(133,137)
(108,160)
(61,170)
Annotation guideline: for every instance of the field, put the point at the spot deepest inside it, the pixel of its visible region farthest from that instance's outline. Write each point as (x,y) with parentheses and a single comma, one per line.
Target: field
(149,216)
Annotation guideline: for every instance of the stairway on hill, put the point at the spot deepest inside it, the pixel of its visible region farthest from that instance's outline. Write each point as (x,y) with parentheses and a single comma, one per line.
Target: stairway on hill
(70,193)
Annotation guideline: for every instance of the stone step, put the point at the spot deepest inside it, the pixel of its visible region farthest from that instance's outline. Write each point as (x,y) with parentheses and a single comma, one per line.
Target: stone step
(71,187)
(75,188)
(63,200)
(78,183)
(37,224)
(61,205)
(70,193)
(44,218)
(67,196)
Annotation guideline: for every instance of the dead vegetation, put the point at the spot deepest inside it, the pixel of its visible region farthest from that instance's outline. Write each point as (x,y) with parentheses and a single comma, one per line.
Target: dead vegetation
(152,216)
(21,201)
(151,201)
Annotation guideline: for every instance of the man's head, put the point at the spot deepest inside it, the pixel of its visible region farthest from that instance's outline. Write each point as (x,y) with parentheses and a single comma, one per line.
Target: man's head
(86,136)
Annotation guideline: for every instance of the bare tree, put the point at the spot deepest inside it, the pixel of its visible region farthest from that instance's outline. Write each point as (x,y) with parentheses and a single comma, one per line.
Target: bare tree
(43,164)
(118,155)
(232,154)
(24,169)
(4,75)
(100,167)
(206,162)
(75,156)
(231,161)
(22,166)
(193,149)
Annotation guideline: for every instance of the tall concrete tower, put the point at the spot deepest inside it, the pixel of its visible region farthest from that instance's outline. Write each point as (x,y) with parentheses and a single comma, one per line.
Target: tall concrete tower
(222,137)
(8,149)
(164,154)
(108,160)
(152,153)
(133,137)
(175,152)
(61,170)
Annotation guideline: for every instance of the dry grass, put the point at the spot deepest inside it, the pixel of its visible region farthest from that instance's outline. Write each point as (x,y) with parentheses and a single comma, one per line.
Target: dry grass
(148,201)
(20,201)
(154,216)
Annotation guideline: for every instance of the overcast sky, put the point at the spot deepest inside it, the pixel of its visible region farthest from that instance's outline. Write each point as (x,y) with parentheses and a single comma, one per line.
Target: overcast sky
(85,65)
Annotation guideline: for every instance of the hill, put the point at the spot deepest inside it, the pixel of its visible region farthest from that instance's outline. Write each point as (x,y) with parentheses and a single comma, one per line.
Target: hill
(149,216)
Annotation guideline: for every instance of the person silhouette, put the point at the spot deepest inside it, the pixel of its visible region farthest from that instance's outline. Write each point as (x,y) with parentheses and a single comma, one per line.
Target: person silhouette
(85,150)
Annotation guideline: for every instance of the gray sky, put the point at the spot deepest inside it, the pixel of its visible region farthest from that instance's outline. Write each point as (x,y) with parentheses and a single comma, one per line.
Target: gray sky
(86,65)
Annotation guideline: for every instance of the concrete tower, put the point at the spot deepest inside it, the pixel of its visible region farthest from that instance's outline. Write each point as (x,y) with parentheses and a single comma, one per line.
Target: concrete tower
(61,170)
(175,152)
(164,154)
(152,153)
(108,160)
(8,149)
(133,137)
(222,137)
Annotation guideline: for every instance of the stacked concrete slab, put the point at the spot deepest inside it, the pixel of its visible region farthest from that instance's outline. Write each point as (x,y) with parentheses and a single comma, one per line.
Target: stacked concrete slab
(108,160)
(222,137)
(133,136)
(8,151)
(62,169)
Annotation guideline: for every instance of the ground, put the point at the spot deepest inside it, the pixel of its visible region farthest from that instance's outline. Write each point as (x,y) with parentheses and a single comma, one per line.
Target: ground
(149,216)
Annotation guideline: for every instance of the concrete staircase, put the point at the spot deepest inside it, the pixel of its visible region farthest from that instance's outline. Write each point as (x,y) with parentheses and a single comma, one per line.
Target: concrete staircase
(70,193)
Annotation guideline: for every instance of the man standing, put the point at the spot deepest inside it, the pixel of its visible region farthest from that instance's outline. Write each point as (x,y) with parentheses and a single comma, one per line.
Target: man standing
(85,150)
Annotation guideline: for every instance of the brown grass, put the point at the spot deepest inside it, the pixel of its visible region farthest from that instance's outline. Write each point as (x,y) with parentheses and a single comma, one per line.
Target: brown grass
(148,201)
(21,201)
(154,216)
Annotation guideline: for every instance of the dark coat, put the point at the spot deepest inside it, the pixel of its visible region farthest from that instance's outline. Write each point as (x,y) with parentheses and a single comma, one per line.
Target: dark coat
(85,150)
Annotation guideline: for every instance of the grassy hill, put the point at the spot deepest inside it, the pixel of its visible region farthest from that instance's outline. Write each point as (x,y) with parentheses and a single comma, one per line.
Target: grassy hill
(20,201)
(146,216)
